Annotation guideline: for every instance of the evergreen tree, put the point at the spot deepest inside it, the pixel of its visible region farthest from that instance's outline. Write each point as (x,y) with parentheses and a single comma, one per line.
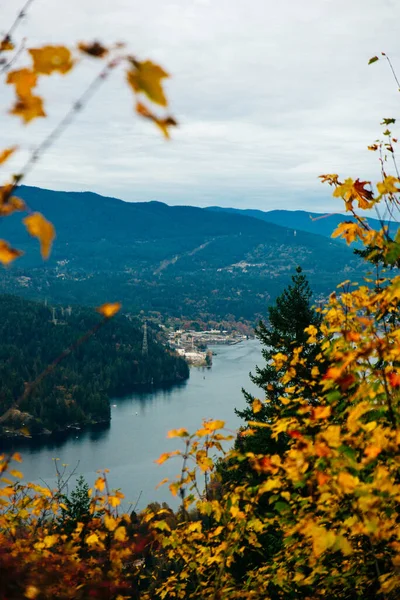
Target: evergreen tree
(283,333)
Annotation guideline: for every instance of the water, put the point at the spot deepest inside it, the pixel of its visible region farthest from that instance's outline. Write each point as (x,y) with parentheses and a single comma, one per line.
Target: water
(139,426)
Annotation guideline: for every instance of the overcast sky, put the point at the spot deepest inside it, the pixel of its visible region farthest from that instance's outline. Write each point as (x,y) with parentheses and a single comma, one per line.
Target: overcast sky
(269,94)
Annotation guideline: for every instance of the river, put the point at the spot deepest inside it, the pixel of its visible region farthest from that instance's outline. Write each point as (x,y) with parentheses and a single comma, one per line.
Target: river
(137,434)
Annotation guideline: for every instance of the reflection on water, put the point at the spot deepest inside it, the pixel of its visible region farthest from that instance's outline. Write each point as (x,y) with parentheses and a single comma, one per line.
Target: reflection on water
(139,425)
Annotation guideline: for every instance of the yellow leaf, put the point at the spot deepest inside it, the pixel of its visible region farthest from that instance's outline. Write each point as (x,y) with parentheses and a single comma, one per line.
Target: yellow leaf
(145,77)
(28,108)
(354,190)
(182,432)
(321,412)
(349,231)
(31,592)
(214,425)
(388,185)
(8,254)
(48,59)
(115,500)
(257,405)
(17,457)
(16,473)
(92,539)
(322,540)
(332,436)
(120,534)
(24,81)
(110,522)
(100,484)
(41,228)
(347,482)
(5,155)
(109,309)
(50,540)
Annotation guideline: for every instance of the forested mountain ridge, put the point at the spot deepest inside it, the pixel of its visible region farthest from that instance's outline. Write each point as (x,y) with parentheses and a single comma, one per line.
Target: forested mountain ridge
(178,260)
(317,223)
(77,391)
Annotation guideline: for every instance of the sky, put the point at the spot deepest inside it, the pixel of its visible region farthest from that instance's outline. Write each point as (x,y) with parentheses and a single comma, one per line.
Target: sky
(268,95)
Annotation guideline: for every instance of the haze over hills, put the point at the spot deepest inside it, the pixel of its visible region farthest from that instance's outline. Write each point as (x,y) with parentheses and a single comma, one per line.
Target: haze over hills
(177,260)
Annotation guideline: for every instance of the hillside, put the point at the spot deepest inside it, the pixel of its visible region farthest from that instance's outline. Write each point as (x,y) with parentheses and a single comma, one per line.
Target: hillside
(317,223)
(177,260)
(77,391)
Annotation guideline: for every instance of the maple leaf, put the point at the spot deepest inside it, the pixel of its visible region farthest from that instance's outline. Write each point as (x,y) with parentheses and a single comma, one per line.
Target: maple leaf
(38,226)
(6,44)
(94,49)
(110,522)
(349,230)
(347,482)
(48,59)
(388,185)
(13,204)
(182,432)
(100,484)
(24,81)
(354,191)
(321,412)
(145,77)
(28,108)
(31,592)
(8,254)
(109,309)
(163,123)
(394,379)
(5,155)
(120,534)
(331,178)
(256,406)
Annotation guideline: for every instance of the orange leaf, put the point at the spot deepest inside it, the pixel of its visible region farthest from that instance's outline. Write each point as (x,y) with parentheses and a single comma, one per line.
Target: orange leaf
(163,124)
(28,108)
(8,254)
(5,155)
(24,80)
(11,205)
(48,59)
(41,228)
(394,379)
(109,309)
(145,77)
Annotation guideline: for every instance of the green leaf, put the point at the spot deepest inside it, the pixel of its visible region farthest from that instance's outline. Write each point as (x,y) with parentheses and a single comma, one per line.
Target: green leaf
(388,121)
(281,506)
(372,60)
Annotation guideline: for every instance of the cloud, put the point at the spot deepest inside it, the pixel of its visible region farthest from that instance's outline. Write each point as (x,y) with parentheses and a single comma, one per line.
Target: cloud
(269,95)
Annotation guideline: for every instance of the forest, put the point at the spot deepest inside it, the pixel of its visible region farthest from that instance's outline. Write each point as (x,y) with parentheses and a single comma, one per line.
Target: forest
(109,363)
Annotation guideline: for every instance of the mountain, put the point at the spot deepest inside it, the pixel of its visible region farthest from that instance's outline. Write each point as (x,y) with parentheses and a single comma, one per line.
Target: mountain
(318,223)
(178,260)
(77,391)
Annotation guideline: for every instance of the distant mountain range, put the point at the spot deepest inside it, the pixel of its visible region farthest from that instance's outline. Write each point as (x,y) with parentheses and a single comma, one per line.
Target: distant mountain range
(178,260)
(318,223)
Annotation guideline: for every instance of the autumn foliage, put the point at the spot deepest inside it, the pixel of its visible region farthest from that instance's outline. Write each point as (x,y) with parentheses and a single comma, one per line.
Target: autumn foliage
(330,500)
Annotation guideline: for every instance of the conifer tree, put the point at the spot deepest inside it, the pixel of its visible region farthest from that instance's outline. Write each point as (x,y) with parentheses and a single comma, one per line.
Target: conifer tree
(284,333)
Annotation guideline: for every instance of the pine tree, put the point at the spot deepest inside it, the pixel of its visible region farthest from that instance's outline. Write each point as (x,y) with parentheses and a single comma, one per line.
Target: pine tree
(284,332)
